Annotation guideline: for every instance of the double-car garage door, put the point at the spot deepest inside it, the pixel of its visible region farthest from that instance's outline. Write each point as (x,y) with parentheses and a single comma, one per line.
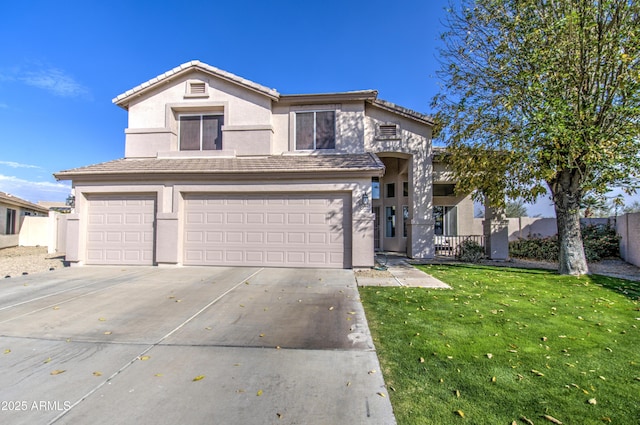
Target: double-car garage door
(286,230)
(275,229)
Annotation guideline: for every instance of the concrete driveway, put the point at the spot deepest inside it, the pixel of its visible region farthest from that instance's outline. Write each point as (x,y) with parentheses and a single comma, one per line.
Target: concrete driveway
(143,345)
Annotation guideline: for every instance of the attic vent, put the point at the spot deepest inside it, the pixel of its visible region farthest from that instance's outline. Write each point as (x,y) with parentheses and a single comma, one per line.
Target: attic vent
(388,130)
(197,88)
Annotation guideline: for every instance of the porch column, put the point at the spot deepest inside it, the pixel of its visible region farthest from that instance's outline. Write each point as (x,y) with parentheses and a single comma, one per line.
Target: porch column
(420,237)
(496,234)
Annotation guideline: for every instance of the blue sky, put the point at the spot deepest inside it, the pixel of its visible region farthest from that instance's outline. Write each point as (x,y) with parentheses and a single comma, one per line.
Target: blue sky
(62,62)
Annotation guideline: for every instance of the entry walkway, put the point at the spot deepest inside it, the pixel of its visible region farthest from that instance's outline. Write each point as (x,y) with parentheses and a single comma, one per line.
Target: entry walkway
(397,272)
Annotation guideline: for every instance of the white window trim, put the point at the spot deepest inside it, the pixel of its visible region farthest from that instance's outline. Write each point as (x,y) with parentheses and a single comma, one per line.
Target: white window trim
(314,111)
(204,114)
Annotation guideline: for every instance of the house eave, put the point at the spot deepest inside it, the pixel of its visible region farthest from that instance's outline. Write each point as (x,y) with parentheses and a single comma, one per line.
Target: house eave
(400,110)
(311,98)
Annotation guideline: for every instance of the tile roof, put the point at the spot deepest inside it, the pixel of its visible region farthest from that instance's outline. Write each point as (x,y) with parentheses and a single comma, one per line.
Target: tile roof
(14,200)
(121,100)
(370,96)
(225,166)
(401,110)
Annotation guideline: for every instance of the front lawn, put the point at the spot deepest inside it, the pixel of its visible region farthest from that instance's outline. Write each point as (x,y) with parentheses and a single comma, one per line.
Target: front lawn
(509,345)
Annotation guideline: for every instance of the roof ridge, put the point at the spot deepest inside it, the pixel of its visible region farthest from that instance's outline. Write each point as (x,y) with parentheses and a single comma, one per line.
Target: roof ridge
(187,66)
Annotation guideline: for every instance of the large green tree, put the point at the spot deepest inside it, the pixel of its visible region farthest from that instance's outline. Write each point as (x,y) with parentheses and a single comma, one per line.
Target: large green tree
(542,95)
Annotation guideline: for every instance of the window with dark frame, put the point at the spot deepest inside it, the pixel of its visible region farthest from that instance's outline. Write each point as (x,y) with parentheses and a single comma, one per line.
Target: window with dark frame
(10,228)
(201,132)
(315,130)
(405,188)
(445,220)
(391,190)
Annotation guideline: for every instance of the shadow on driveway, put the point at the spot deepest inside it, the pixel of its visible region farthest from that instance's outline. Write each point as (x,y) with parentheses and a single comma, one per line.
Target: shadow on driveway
(144,345)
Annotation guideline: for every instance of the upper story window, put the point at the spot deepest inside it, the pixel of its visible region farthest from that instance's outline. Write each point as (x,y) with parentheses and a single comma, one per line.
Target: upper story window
(315,130)
(201,132)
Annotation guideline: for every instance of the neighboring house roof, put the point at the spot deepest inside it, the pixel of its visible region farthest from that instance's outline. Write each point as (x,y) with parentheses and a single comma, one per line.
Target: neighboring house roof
(123,99)
(6,198)
(280,164)
(370,96)
(51,205)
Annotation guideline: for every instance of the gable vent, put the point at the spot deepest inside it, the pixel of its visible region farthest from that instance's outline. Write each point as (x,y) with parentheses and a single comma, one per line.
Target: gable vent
(197,88)
(388,130)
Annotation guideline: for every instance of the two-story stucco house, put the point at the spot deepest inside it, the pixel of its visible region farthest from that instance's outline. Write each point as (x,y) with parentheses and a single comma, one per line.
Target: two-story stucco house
(219,170)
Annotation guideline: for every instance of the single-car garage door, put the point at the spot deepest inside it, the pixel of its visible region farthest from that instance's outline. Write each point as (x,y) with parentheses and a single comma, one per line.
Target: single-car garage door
(121,229)
(277,230)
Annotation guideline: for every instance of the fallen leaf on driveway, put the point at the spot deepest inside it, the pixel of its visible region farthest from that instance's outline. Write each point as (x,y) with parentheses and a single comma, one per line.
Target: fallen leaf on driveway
(96,373)
(259,393)
(7,351)
(198,378)
(102,319)
(144,357)
(57,371)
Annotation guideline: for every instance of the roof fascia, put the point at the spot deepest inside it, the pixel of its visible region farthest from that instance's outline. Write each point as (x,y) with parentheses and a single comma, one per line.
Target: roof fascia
(218,176)
(400,110)
(361,95)
(21,203)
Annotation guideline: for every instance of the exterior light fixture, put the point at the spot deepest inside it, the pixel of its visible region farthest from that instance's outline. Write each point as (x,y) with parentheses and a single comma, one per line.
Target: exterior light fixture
(364,201)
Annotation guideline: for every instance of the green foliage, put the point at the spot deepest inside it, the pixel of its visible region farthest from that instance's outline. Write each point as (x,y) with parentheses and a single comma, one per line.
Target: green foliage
(541,94)
(470,251)
(507,343)
(540,249)
(515,209)
(599,242)
(537,88)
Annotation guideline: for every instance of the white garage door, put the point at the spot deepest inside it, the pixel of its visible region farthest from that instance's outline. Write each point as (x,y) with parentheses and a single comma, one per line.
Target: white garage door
(121,230)
(278,230)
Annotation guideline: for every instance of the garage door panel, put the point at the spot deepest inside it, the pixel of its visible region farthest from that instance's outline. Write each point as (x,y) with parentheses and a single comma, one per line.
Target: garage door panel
(120,229)
(268,229)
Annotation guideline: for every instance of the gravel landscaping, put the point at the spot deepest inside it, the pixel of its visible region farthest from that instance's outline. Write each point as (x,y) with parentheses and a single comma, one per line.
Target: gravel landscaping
(19,260)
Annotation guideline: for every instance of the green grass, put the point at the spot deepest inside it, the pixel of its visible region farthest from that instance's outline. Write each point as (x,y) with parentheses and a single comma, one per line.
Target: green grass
(504,344)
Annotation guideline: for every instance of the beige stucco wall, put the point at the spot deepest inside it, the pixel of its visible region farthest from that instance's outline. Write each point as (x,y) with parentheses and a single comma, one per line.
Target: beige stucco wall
(7,241)
(170,219)
(35,231)
(349,125)
(153,125)
(413,144)
(628,227)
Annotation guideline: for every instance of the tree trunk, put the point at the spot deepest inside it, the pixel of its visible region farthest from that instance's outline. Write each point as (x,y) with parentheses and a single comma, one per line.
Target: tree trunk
(566,197)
